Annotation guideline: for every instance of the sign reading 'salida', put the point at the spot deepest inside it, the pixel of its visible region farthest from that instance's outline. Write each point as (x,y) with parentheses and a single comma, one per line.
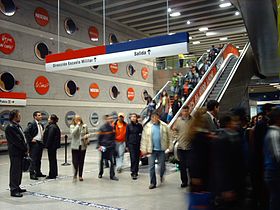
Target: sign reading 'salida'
(121,52)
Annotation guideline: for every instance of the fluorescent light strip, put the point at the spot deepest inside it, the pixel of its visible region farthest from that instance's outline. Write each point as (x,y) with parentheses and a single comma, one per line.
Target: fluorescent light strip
(175,14)
(223,5)
(196,42)
(203,29)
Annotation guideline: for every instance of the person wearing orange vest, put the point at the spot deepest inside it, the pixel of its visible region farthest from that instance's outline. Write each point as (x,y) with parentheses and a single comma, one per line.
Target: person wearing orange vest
(120,131)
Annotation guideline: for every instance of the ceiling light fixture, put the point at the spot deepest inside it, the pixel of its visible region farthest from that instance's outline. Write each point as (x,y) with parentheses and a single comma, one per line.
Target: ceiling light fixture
(203,29)
(237,47)
(211,33)
(223,5)
(223,39)
(171,33)
(175,14)
(237,13)
(188,22)
(196,42)
(190,37)
(169,10)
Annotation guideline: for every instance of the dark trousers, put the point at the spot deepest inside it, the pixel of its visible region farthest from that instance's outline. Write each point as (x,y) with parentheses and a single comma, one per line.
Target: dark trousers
(134,150)
(272,181)
(36,156)
(183,165)
(78,159)
(107,155)
(181,62)
(53,172)
(15,173)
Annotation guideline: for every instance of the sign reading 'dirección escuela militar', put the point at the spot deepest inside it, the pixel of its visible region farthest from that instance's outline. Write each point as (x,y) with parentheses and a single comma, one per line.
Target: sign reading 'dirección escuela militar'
(121,52)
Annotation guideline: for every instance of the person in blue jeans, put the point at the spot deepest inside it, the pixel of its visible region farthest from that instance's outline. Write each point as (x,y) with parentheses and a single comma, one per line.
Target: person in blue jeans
(156,141)
(272,160)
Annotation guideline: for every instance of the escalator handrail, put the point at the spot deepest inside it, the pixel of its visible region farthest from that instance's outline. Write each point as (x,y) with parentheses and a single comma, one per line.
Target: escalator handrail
(211,85)
(198,85)
(233,71)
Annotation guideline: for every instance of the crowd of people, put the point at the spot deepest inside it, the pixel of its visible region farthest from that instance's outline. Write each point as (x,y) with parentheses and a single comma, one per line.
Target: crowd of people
(217,154)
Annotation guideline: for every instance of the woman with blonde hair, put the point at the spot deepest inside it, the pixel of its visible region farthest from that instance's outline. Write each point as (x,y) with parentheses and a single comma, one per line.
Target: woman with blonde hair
(79,142)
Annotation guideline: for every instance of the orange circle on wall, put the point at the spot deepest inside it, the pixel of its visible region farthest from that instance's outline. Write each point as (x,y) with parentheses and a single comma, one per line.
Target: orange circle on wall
(145,72)
(41,16)
(114,67)
(130,94)
(7,43)
(41,85)
(94,90)
(93,33)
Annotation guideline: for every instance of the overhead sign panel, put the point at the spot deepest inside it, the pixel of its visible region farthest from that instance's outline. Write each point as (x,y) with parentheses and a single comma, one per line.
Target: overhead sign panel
(121,52)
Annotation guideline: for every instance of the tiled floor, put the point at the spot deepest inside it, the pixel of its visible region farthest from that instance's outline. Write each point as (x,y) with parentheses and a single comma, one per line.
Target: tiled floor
(93,193)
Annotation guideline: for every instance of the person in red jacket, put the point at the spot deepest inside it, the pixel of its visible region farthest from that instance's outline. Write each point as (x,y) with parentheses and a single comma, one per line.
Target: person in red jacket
(120,131)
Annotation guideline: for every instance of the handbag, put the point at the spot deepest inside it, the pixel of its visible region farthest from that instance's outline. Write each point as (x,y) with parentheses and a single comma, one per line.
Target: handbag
(26,163)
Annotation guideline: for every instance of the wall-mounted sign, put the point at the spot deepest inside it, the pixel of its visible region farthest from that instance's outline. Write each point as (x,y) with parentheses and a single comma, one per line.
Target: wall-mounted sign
(7,43)
(4,119)
(130,70)
(70,26)
(7,81)
(94,90)
(114,92)
(69,117)
(147,48)
(145,72)
(130,94)
(41,50)
(12,99)
(41,85)
(93,33)
(71,88)
(114,68)
(94,119)
(41,16)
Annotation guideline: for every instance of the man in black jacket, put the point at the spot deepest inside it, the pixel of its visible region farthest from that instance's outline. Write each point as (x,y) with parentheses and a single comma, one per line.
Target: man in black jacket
(34,136)
(133,138)
(17,148)
(106,145)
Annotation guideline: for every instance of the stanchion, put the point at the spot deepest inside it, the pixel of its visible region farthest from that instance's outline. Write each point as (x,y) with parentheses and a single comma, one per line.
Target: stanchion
(65,163)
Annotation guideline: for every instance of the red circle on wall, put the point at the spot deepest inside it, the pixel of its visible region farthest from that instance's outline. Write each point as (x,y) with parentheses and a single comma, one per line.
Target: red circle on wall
(41,16)
(114,67)
(93,33)
(94,90)
(7,43)
(41,85)
(130,94)
(145,72)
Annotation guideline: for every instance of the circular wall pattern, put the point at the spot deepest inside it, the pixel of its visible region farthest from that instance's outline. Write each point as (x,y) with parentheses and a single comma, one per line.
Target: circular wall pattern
(70,88)
(7,82)
(7,43)
(7,7)
(4,119)
(93,33)
(114,92)
(41,50)
(114,67)
(41,85)
(70,26)
(69,117)
(145,72)
(130,94)
(94,90)
(130,70)
(41,16)
(94,119)
(94,67)
(113,39)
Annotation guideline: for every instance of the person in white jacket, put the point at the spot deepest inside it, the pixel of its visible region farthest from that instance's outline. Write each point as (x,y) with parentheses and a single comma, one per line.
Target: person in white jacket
(156,141)
(79,142)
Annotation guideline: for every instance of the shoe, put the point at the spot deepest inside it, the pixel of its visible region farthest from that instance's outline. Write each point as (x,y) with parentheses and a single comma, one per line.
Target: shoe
(81,179)
(183,185)
(22,190)
(33,177)
(16,194)
(134,177)
(152,186)
(41,175)
(114,178)
(161,179)
(100,176)
(119,170)
(50,177)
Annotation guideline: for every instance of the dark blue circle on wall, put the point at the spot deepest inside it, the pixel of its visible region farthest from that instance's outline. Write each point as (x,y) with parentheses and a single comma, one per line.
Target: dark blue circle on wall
(8,7)
(69,117)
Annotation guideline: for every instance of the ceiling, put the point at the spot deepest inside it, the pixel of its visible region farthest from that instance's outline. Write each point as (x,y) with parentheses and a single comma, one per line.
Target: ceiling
(150,18)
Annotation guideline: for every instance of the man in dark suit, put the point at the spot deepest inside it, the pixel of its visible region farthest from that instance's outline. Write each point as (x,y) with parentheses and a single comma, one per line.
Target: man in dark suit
(211,115)
(17,148)
(34,136)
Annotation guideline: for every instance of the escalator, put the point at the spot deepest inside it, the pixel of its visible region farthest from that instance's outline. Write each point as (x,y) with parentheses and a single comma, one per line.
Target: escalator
(226,80)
